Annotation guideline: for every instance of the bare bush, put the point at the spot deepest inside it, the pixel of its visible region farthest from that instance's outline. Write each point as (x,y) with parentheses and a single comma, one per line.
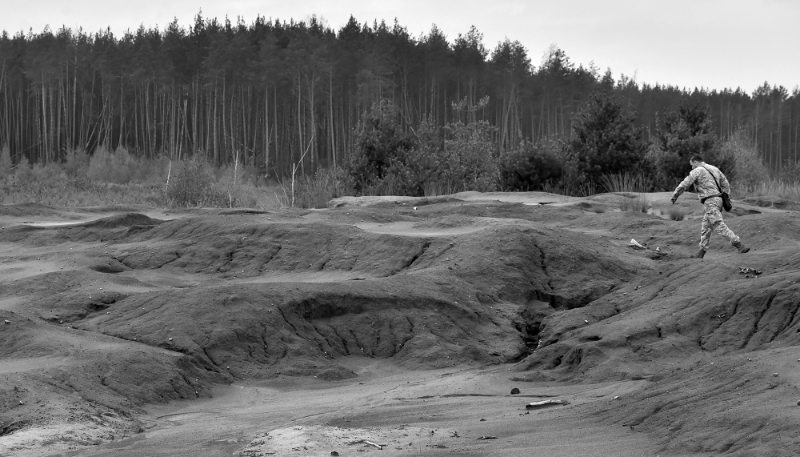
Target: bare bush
(326,184)
(192,183)
(749,168)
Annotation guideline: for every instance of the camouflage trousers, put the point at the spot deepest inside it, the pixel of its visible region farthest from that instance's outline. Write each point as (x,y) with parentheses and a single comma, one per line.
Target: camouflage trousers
(712,222)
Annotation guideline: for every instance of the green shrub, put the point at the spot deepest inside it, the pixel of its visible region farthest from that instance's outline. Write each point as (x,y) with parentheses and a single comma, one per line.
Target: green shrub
(530,167)
(467,159)
(379,141)
(388,161)
(685,132)
(605,139)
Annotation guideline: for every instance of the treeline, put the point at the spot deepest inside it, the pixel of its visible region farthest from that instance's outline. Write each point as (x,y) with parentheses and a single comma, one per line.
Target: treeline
(271,92)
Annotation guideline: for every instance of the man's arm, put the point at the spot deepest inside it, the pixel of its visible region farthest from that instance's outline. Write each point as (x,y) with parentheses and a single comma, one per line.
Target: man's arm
(688,181)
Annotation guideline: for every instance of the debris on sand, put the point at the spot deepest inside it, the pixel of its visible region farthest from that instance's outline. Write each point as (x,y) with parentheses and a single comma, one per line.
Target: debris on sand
(749,272)
(635,245)
(514,391)
(368,443)
(546,404)
(7,321)
(489,437)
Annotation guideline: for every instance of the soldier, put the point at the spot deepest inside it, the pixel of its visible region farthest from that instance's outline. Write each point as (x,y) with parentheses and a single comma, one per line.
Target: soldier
(705,178)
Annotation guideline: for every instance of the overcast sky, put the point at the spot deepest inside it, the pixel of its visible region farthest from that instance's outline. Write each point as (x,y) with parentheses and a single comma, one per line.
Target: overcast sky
(688,43)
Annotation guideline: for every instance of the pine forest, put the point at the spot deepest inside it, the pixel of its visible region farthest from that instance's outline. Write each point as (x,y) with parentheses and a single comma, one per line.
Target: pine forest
(267,92)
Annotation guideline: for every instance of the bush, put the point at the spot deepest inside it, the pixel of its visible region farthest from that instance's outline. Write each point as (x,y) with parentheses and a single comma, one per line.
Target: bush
(749,170)
(107,166)
(191,183)
(379,142)
(324,186)
(685,132)
(606,139)
(790,173)
(467,158)
(531,167)
(77,164)
(387,161)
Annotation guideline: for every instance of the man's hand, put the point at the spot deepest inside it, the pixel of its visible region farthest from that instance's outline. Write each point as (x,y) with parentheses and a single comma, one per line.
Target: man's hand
(673,200)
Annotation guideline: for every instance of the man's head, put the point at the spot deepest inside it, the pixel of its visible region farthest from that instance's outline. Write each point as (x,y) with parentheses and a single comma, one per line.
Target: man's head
(695,161)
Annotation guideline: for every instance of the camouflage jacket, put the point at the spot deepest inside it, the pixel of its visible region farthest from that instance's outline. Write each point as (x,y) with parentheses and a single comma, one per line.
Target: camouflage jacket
(703,182)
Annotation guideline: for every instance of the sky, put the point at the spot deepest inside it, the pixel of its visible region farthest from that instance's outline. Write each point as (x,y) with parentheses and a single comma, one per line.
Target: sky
(713,44)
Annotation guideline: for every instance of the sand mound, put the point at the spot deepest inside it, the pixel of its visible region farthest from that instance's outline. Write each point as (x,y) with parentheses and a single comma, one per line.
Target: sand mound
(122,220)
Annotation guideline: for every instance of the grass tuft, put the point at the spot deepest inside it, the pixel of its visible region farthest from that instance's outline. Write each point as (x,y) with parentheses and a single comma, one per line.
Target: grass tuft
(626,182)
(676,213)
(636,203)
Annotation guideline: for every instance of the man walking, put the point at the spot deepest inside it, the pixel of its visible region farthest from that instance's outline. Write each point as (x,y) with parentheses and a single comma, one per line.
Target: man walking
(705,178)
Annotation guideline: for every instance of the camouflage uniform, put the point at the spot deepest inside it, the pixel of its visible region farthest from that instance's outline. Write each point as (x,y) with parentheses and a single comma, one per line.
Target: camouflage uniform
(708,193)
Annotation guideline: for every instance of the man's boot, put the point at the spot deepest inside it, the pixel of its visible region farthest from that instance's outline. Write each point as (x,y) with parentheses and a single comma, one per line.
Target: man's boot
(700,254)
(741,247)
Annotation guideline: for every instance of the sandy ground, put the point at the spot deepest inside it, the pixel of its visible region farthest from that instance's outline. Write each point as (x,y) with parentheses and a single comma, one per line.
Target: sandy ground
(437,412)
(398,326)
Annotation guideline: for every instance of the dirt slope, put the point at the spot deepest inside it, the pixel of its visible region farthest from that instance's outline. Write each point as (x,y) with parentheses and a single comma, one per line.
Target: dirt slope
(118,310)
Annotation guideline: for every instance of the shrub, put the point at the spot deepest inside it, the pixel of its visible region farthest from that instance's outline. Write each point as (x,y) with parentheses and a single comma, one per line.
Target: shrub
(749,169)
(467,157)
(790,173)
(606,139)
(379,141)
(410,172)
(531,167)
(191,183)
(685,132)
(105,166)
(76,164)
(326,184)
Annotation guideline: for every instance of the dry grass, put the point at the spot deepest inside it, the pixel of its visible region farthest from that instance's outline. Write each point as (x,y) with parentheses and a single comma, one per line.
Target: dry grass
(634,202)
(71,185)
(626,182)
(772,188)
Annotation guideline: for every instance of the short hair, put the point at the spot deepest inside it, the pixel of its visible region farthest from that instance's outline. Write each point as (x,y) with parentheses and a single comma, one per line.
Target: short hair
(696,158)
